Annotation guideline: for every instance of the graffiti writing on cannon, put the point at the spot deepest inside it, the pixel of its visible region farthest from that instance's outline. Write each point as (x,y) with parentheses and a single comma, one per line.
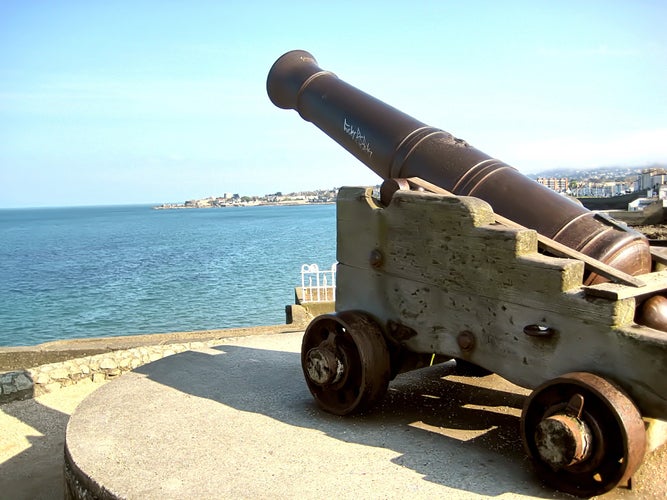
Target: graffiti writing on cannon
(356,135)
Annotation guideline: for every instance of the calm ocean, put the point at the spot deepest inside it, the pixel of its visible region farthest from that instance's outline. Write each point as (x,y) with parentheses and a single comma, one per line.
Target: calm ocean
(124,270)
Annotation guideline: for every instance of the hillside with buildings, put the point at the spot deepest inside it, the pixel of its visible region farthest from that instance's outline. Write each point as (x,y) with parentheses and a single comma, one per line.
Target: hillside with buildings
(635,196)
(604,182)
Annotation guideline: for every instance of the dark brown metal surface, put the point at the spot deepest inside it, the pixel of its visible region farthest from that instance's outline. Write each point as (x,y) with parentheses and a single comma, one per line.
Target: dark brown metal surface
(653,313)
(393,145)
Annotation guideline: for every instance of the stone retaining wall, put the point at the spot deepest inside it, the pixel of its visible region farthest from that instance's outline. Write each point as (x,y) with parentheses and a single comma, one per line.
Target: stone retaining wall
(32,382)
(61,363)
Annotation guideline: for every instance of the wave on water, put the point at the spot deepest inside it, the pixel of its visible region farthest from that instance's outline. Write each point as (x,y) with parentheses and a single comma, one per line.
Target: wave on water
(110,271)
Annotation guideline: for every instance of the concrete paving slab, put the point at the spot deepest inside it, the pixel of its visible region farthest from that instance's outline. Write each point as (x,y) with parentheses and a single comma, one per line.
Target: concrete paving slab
(237,421)
(32,436)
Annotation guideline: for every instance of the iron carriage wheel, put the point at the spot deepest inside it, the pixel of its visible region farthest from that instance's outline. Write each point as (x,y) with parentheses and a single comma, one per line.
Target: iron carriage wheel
(584,434)
(345,361)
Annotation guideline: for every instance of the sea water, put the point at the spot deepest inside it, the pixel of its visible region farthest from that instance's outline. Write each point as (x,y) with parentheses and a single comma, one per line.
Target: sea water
(124,270)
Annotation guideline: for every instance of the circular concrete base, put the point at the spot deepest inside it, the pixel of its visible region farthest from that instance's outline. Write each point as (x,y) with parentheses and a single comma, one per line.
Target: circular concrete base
(237,421)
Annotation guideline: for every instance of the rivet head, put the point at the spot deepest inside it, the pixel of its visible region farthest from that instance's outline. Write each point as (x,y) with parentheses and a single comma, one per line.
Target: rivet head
(376,258)
(466,340)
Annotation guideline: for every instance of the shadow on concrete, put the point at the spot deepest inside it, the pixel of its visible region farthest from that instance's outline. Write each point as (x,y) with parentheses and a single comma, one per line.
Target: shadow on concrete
(454,434)
(37,472)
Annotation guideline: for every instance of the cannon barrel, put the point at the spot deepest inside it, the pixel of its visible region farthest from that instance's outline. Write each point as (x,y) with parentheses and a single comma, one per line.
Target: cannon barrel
(396,145)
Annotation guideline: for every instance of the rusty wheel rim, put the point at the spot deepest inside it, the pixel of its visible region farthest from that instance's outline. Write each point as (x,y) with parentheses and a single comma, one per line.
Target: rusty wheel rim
(345,362)
(618,437)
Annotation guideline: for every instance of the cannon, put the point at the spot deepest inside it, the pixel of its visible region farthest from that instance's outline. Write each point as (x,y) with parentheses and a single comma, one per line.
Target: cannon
(462,257)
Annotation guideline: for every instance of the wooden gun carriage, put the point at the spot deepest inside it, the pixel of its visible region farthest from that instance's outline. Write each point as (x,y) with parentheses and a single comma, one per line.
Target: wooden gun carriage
(424,273)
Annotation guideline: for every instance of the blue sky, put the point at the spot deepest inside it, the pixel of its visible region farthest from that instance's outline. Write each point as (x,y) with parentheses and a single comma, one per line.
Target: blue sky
(149,102)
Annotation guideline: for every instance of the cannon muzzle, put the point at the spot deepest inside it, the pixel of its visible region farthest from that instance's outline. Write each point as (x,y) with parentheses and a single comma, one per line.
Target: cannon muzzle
(395,145)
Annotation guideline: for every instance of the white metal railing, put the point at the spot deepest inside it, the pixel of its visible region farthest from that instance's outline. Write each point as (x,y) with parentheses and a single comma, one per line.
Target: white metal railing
(316,285)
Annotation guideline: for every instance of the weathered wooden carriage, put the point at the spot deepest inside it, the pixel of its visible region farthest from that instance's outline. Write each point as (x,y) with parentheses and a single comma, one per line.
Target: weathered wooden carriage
(462,257)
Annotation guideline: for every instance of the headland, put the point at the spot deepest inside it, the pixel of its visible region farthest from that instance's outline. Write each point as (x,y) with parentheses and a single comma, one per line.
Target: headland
(320,196)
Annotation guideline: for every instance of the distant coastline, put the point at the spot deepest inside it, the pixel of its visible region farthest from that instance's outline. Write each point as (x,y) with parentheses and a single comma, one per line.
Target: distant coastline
(183,206)
(234,200)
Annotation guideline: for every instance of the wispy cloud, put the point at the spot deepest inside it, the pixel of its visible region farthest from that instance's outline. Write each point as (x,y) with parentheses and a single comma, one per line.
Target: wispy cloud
(634,148)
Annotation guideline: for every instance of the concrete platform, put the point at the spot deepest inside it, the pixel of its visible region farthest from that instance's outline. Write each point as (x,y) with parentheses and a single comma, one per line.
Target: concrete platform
(237,421)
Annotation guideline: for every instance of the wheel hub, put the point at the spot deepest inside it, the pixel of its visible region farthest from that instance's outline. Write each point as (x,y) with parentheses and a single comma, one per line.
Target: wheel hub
(323,366)
(345,361)
(563,440)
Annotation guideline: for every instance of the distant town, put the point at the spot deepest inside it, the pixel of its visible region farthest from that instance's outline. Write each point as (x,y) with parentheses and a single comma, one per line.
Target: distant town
(236,200)
(603,182)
